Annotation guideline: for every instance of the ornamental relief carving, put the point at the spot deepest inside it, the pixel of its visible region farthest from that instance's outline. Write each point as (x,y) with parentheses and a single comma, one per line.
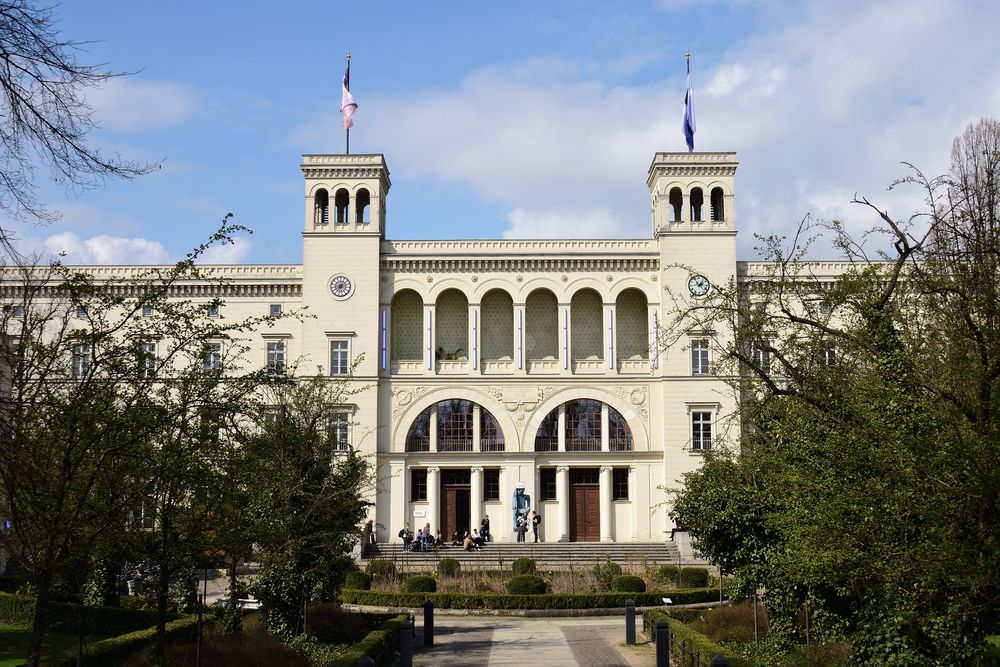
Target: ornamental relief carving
(402,397)
(636,396)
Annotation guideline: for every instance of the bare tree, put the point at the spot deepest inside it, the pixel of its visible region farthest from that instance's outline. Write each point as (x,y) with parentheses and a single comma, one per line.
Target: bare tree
(44,115)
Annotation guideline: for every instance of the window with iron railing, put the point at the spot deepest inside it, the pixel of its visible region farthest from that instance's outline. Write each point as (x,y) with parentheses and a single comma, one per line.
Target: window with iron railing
(619,436)
(418,439)
(583,426)
(455,426)
(490,435)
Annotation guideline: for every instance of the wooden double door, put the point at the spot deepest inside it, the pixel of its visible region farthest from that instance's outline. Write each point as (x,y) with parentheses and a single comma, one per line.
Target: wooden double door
(584,505)
(456,503)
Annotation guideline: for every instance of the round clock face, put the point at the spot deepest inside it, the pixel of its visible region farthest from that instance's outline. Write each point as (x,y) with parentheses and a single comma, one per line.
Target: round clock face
(340,286)
(698,285)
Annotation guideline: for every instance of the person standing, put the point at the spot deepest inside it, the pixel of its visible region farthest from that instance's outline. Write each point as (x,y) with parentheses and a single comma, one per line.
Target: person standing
(484,529)
(536,519)
(406,535)
(522,527)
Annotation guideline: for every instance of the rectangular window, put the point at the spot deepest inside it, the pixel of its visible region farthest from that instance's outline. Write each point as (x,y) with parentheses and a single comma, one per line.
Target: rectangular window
(211,361)
(338,357)
(144,514)
(338,431)
(619,484)
(275,310)
(824,307)
(275,357)
(491,484)
(699,357)
(210,425)
(147,311)
(546,484)
(81,311)
(828,356)
(81,360)
(18,311)
(762,357)
(212,310)
(418,484)
(701,430)
(147,360)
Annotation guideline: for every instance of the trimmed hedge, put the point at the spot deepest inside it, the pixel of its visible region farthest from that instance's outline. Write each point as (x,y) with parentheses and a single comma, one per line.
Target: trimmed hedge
(695,641)
(550,601)
(693,577)
(420,583)
(527,584)
(112,651)
(381,569)
(359,580)
(628,583)
(374,645)
(669,573)
(98,621)
(523,565)
(449,567)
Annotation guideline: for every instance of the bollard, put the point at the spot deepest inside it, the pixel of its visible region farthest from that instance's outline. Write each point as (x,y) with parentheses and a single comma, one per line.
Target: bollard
(720,661)
(630,622)
(662,644)
(406,644)
(366,662)
(428,623)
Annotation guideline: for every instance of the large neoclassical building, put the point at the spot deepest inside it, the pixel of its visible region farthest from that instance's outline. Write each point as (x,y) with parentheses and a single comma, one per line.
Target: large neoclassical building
(482,366)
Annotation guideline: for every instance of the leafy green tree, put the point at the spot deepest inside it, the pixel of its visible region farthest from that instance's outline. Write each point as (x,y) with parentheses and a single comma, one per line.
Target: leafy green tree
(865,483)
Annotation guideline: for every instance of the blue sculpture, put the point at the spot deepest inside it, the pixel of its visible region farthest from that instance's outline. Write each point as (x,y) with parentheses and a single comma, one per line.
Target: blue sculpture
(522,503)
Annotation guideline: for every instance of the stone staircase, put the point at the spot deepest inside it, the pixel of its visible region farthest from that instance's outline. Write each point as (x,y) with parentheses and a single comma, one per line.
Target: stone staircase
(547,555)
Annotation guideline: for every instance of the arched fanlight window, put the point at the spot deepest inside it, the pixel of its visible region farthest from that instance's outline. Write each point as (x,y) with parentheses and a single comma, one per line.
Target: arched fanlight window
(362,206)
(697,203)
(341,201)
(455,428)
(676,204)
(718,205)
(619,434)
(322,207)
(583,429)
(418,439)
(547,436)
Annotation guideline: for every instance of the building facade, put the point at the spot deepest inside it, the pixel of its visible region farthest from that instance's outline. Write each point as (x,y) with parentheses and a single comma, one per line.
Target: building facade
(479,367)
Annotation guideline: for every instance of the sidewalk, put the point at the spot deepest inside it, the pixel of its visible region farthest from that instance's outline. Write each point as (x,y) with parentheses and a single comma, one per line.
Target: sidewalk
(515,642)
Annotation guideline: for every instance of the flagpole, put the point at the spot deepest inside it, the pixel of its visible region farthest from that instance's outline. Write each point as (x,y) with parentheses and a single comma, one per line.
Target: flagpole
(347,148)
(686,55)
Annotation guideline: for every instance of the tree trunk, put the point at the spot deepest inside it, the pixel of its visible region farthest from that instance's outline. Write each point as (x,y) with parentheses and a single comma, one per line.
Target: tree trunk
(162,597)
(39,622)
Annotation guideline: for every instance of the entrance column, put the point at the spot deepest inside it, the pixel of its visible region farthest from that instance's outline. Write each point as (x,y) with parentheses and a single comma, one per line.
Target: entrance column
(433,498)
(606,535)
(562,494)
(476,498)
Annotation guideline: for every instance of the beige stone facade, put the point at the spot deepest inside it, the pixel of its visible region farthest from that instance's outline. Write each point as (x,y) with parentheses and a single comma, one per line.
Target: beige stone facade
(485,364)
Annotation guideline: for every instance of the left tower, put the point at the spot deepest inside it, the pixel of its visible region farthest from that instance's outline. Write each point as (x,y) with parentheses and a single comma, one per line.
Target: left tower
(344,225)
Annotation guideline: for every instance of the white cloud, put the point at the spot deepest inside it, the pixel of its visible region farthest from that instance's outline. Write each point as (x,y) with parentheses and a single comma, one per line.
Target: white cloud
(128,104)
(101,249)
(228,253)
(559,224)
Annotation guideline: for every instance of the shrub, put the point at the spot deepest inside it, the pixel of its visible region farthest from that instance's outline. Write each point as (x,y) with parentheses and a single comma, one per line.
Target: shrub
(420,583)
(668,573)
(332,624)
(628,583)
(358,580)
(449,567)
(99,621)
(523,565)
(381,569)
(526,584)
(114,650)
(605,573)
(450,600)
(693,577)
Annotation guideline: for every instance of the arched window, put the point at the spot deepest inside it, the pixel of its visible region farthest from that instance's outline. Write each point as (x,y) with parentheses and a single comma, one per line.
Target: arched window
(542,325)
(497,325)
(490,435)
(547,436)
(418,438)
(718,205)
(454,426)
(340,201)
(407,326)
(362,207)
(451,331)
(620,435)
(632,325)
(583,426)
(676,204)
(697,202)
(587,318)
(321,203)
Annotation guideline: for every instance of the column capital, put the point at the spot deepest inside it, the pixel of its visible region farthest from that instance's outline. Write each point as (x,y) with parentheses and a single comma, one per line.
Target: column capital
(606,469)
(434,469)
(562,469)
(477,470)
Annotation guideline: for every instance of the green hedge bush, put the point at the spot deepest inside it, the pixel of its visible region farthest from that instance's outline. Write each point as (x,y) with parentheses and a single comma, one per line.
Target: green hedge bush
(420,583)
(381,569)
(527,584)
(693,577)
(449,567)
(358,580)
(628,583)
(668,573)
(372,645)
(551,601)
(523,565)
(98,621)
(114,650)
(606,572)
(695,642)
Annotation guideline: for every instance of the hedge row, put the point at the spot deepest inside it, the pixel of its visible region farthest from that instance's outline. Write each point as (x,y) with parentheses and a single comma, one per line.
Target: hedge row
(696,642)
(553,601)
(99,621)
(112,651)
(377,645)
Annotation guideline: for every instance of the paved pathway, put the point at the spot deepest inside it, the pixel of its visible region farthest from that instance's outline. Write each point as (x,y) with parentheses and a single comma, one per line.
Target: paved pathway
(491,641)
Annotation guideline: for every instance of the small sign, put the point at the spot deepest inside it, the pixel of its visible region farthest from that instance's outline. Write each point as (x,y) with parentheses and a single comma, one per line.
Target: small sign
(419,513)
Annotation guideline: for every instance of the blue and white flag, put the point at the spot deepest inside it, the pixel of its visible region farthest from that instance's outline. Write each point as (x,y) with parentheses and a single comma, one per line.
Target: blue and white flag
(687,123)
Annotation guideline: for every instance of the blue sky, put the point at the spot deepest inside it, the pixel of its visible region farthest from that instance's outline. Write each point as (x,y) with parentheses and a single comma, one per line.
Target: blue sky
(512,120)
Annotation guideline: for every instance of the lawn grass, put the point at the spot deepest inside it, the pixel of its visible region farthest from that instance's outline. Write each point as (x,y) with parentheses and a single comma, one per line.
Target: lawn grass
(14,643)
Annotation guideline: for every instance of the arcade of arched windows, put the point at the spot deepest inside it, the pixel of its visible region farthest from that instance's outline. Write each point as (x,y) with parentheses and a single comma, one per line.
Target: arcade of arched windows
(459,425)
(698,210)
(345,209)
(539,336)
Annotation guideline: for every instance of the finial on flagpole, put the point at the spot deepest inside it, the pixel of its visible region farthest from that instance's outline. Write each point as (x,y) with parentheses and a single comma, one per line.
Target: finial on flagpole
(686,55)
(349,55)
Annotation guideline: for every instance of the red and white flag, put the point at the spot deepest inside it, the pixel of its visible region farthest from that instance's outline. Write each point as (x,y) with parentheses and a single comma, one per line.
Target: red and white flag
(347,104)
